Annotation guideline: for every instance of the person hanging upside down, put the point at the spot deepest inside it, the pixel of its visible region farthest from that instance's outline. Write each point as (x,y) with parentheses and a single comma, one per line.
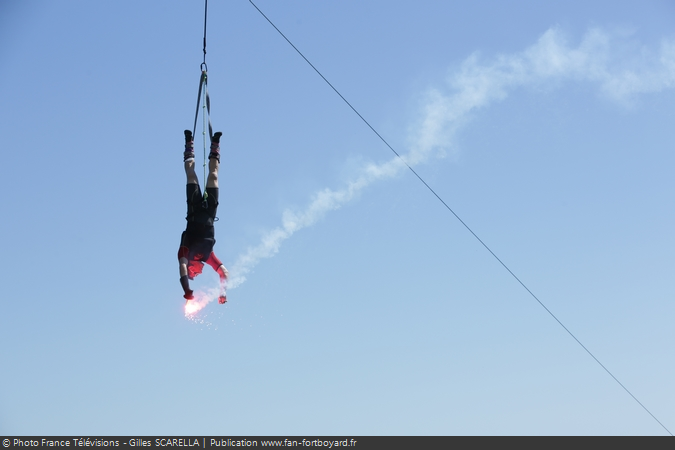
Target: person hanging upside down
(198,239)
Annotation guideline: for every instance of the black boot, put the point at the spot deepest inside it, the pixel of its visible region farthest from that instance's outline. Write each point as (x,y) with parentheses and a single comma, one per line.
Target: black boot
(215,146)
(189,153)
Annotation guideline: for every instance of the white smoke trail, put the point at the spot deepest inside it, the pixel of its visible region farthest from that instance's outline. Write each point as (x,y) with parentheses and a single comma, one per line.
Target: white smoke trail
(621,74)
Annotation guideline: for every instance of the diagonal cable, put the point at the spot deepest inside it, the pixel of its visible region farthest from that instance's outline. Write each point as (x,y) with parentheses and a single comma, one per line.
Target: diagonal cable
(461,221)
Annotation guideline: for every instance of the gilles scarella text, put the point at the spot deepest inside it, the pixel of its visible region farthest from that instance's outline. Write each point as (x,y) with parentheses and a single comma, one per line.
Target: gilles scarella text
(163,442)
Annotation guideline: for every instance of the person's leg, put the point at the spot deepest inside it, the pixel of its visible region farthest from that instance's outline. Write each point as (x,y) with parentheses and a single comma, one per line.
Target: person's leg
(189,159)
(189,162)
(190,172)
(212,179)
(214,161)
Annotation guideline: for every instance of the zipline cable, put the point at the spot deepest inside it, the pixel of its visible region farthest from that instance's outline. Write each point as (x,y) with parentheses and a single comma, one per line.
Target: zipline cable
(461,221)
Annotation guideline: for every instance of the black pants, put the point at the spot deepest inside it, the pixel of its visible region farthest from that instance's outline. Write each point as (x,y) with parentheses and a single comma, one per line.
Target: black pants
(198,239)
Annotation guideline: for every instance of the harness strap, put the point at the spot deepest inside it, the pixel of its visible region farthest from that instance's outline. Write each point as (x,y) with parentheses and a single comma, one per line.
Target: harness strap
(206,115)
(203,82)
(208,107)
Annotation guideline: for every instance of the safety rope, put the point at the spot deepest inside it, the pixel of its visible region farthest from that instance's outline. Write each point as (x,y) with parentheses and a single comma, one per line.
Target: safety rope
(206,8)
(204,100)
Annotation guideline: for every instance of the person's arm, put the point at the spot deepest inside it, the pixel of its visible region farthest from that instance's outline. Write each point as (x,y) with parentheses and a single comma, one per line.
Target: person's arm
(220,269)
(182,267)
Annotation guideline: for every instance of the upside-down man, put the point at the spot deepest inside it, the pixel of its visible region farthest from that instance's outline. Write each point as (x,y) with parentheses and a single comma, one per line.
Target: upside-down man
(198,239)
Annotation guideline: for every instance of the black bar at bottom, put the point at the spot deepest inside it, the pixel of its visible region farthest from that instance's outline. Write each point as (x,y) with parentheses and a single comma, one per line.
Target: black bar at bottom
(319,442)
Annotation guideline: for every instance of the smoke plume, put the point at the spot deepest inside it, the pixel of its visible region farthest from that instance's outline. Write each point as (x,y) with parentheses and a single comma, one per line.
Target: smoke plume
(619,71)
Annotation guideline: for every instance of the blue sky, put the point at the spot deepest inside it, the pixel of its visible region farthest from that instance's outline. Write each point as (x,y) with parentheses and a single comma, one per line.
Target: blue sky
(362,306)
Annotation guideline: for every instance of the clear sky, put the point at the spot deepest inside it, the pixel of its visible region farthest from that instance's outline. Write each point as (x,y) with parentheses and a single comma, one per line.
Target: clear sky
(362,306)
